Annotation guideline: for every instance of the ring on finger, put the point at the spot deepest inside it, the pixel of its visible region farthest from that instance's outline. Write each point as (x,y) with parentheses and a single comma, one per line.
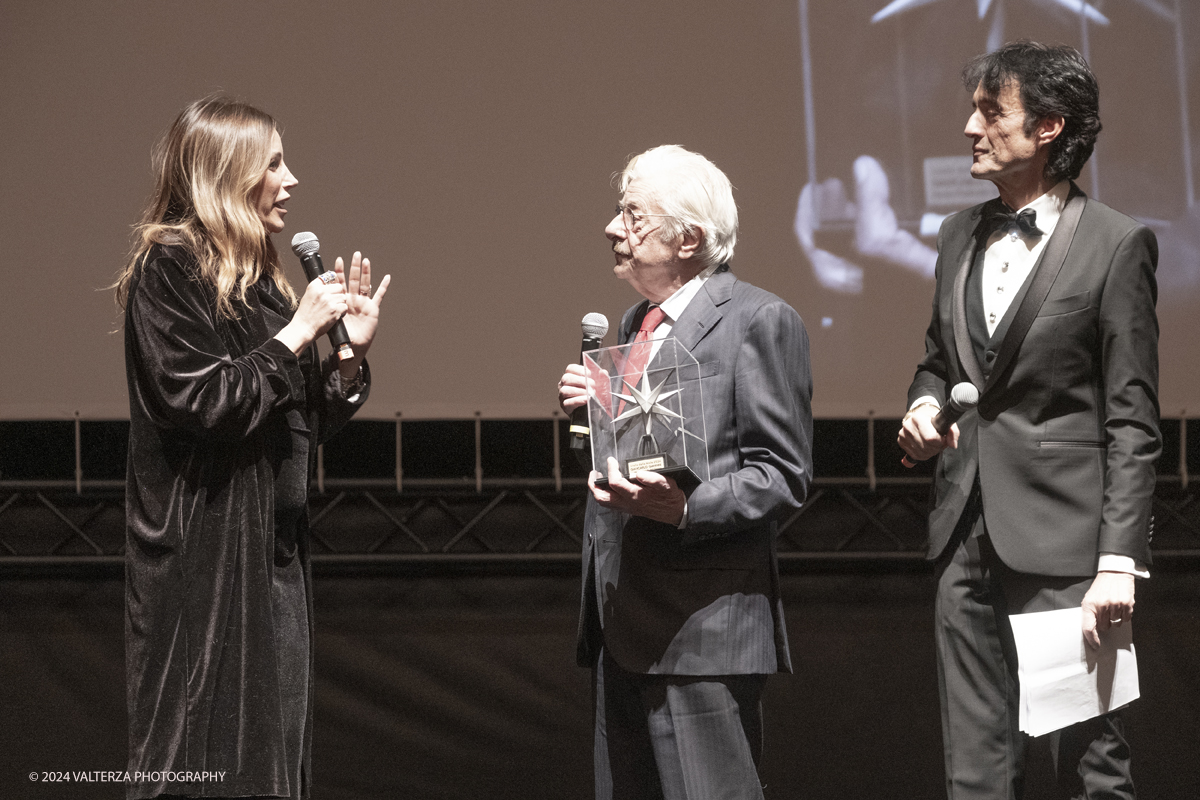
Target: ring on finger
(328,277)
(364,291)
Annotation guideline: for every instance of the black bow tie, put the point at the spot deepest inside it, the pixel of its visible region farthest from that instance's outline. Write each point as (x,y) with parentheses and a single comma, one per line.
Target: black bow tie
(998,217)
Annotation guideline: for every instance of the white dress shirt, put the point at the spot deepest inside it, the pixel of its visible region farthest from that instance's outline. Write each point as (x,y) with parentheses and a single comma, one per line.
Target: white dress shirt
(1010,255)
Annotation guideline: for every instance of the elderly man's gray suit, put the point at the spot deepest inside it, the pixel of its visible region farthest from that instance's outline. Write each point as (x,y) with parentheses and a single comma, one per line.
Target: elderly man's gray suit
(704,601)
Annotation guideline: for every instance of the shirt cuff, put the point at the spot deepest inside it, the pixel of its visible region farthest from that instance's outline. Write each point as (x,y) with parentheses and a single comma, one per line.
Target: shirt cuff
(683,521)
(924,400)
(1111,562)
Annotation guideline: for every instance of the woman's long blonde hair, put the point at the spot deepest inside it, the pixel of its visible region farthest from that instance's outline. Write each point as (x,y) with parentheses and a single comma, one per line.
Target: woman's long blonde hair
(207,171)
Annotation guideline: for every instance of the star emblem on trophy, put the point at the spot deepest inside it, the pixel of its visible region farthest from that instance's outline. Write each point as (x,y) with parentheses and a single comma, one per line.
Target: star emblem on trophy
(646,405)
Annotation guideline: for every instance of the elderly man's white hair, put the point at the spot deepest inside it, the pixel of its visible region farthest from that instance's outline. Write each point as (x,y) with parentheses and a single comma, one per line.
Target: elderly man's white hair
(696,196)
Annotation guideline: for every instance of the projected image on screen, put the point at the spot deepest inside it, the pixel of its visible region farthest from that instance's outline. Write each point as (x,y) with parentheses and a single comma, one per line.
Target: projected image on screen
(905,177)
(840,123)
(885,161)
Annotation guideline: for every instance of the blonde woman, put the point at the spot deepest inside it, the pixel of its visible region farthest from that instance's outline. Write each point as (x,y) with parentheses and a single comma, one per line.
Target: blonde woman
(228,400)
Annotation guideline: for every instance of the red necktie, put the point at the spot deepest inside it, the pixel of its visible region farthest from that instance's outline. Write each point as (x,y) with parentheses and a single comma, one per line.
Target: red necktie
(639,353)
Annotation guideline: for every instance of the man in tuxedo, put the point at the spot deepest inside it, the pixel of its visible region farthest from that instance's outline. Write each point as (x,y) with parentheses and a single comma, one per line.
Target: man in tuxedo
(1042,494)
(681,619)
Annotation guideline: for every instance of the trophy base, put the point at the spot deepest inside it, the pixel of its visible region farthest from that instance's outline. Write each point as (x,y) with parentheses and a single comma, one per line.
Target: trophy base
(683,476)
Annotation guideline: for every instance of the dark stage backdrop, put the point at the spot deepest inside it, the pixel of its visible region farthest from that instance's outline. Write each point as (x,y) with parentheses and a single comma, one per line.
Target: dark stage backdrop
(465,687)
(467,148)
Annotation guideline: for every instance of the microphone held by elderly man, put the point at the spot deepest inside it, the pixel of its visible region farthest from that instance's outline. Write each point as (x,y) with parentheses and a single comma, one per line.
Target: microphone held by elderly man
(595,327)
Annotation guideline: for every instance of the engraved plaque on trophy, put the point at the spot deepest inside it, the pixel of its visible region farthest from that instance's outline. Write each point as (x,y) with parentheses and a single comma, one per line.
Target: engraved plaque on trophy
(647,412)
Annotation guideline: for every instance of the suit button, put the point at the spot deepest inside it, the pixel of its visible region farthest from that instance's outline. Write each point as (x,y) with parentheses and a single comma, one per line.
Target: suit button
(990,356)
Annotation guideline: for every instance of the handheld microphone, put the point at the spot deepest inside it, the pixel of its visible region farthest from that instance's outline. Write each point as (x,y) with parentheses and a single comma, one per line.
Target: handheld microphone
(307,249)
(963,397)
(595,326)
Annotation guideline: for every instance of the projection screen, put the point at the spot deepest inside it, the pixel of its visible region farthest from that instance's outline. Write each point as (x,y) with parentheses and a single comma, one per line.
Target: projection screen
(468,149)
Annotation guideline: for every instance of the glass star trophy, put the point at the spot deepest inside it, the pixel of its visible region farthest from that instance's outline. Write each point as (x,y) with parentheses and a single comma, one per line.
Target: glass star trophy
(648,416)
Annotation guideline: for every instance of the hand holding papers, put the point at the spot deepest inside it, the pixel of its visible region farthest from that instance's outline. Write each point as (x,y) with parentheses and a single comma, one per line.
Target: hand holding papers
(1063,681)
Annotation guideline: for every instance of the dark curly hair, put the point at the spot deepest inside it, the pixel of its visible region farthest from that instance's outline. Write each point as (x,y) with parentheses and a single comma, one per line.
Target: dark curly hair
(1054,81)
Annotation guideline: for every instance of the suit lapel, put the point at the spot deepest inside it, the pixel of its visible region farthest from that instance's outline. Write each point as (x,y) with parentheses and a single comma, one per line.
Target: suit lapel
(1044,274)
(704,312)
(962,336)
(701,315)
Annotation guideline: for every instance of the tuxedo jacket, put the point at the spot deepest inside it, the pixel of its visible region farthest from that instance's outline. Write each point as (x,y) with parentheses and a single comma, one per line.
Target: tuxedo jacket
(1065,436)
(705,600)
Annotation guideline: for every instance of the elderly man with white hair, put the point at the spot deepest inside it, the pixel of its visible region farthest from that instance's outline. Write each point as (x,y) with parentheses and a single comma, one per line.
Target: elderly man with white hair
(681,618)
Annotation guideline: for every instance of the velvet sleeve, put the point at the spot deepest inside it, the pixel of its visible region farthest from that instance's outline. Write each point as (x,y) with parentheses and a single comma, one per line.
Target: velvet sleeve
(336,410)
(181,369)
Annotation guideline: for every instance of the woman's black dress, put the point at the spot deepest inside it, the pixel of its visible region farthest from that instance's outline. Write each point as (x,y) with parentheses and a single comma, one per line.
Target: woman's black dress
(224,424)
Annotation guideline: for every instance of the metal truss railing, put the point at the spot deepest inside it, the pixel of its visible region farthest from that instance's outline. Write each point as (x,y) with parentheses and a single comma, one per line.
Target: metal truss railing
(368,523)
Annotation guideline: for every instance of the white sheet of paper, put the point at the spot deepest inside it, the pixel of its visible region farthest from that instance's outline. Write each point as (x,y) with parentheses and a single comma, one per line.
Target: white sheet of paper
(1063,681)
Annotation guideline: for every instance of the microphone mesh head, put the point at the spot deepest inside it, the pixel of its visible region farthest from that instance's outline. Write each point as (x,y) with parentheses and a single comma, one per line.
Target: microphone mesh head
(965,395)
(595,326)
(305,244)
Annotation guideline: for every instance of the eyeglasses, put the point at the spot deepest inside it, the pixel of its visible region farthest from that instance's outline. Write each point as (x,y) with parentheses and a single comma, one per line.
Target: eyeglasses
(633,219)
